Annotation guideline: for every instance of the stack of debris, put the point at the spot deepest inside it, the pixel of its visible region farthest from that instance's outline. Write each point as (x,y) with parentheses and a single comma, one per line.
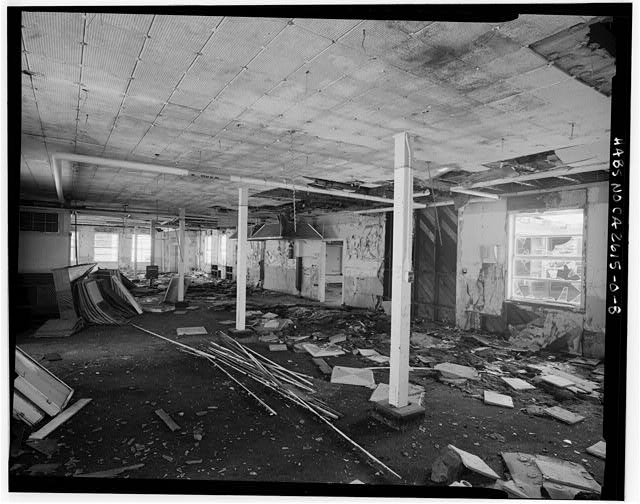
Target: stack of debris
(38,393)
(102,298)
(69,321)
(88,294)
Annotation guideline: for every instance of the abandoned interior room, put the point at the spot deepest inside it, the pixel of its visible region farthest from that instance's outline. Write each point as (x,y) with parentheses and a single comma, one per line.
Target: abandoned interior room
(306,250)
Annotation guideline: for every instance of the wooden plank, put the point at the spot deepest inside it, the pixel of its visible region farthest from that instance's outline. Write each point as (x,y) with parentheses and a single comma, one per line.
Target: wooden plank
(164,416)
(566,473)
(55,390)
(495,399)
(25,410)
(563,415)
(35,396)
(325,369)
(60,419)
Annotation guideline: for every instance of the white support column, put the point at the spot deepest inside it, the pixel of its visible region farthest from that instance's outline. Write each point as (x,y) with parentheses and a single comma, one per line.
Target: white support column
(241,260)
(152,238)
(181,257)
(322,272)
(135,250)
(401,269)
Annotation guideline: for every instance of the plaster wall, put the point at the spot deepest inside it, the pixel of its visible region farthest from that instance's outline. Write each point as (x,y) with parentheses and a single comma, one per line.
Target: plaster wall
(363,254)
(280,271)
(41,252)
(481,294)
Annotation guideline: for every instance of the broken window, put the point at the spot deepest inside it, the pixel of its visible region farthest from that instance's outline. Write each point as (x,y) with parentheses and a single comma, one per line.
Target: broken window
(547,257)
(142,244)
(105,247)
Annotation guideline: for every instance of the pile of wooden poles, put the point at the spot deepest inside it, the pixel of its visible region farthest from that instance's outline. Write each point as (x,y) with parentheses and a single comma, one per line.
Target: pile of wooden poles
(296,387)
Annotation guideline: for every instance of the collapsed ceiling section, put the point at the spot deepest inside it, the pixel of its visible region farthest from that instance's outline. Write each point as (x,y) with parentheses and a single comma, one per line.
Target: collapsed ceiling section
(312,101)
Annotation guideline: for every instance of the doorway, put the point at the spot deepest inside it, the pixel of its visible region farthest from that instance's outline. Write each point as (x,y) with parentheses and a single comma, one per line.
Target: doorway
(333,274)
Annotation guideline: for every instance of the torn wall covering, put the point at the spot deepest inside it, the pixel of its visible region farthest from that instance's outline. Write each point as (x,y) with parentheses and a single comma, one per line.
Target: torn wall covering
(482,276)
(363,237)
(280,271)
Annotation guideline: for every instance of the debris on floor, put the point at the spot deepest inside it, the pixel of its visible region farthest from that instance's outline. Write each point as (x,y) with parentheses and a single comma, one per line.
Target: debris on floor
(326,350)
(564,415)
(291,385)
(166,418)
(59,419)
(598,450)
(190,331)
(109,473)
(475,463)
(415,396)
(324,368)
(517,383)
(37,391)
(353,376)
(456,371)
(496,399)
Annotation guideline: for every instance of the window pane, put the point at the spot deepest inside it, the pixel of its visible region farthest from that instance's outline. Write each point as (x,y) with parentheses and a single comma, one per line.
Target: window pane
(547,263)
(105,247)
(143,245)
(523,246)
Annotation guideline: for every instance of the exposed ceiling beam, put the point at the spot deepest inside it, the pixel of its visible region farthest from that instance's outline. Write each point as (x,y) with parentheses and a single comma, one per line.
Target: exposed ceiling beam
(317,190)
(554,172)
(471,192)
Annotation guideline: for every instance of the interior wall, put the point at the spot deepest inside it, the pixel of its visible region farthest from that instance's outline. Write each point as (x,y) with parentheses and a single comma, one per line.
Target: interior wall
(40,252)
(363,254)
(280,271)
(481,295)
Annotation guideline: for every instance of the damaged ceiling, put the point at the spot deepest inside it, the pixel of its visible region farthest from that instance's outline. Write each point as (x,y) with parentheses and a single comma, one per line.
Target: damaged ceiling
(303,100)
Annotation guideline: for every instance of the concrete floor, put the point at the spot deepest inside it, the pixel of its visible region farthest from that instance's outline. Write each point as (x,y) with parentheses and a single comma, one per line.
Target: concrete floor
(129,374)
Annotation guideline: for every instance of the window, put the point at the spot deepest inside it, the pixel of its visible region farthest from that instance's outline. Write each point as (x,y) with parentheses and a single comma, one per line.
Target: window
(72,252)
(142,243)
(39,221)
(105,247)
(207,249)
(547,258)
(222,257)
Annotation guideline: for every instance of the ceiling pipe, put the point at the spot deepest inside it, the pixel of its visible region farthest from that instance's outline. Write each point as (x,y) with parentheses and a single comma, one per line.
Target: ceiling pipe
(58,157)
(471,192)
(317,190)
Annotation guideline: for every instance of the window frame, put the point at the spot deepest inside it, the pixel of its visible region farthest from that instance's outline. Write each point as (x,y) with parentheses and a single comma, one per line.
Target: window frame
(73,260)
(117,248)
(512,257)
(135,244)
